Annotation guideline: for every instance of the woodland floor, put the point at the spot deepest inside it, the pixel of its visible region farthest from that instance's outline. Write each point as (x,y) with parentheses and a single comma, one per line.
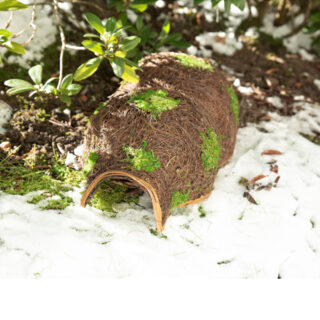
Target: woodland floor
(269,227)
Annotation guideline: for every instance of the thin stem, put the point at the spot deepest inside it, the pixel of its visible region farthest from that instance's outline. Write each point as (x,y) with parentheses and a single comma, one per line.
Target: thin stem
(72,47)
(9,21)
(30,24)
(63,41)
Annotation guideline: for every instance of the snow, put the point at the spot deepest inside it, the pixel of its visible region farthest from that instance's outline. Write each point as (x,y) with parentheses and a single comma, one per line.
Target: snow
(237,239)
(221,42)
(317,83)
(45,36)
(5,114)
(275,101)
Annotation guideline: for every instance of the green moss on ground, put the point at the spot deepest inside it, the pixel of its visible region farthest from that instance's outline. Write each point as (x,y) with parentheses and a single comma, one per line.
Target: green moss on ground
(210,150)
(142,159)
(234,104)
(202,212)
(109,193)
(19,179)
(192,62)
(154,101)
(179,198)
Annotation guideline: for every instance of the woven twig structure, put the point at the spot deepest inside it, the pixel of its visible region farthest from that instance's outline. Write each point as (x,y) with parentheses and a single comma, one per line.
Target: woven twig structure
(167,134)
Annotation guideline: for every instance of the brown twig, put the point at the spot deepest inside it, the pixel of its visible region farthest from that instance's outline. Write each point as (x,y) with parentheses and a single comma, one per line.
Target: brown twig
(30,24)
(9,21)
(305,21)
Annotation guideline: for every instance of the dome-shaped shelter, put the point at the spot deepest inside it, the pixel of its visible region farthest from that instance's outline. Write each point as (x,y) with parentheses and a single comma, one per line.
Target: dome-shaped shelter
(167,134)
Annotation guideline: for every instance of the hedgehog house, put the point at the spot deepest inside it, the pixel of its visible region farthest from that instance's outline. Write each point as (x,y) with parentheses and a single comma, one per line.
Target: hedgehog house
(168,134)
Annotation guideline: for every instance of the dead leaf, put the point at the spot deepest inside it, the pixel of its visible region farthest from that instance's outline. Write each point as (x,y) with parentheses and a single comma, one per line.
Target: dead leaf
(256,178)
(265,118)
(220,39)
(271,152)
(247,195)
(275,169)
(47,194)
(269,71)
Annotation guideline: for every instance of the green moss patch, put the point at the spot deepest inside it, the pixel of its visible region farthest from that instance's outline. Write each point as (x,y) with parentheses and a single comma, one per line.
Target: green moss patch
(90,163)
(179,198)
(210,150)
(234,104)
(108,194)
(154,101)
(142,159)
(18,179)
(192,62)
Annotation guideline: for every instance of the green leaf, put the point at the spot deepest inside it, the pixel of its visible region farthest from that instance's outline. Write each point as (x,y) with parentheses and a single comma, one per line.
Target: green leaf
(129,74)
(87,69)
(90,163)
(17,83)
(139,7)
(13,91)
(93,46)
(117,65)
(74,89)
(35,74)
(89,35)
(214,2)
(139,24)
(239,3)
(130,43)
(66,99)
(0,58)
(11,5)
(5,33)
(196,2)
(111,24)
(148,2)
(15,47)
(131,63)
(49,88)
(166,27)
(227,5)
(95,22)
(66,81)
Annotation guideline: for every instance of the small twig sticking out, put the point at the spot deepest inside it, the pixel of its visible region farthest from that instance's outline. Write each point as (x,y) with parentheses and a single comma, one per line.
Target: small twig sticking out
(250,9)
(9,21)
(30,24)
(63,41)
(72,47)
(305,21)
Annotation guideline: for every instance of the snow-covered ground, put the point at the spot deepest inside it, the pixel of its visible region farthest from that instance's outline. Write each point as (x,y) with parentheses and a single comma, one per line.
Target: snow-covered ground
(280,236)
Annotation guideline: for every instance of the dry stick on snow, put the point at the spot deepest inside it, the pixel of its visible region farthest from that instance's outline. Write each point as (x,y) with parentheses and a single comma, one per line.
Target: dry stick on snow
(63,41)
(31,24)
